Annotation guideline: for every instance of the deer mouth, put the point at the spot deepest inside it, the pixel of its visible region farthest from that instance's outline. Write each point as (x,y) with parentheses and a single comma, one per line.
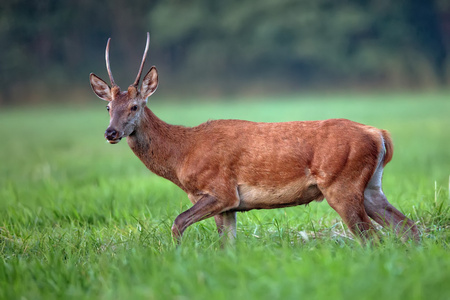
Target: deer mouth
(114,141)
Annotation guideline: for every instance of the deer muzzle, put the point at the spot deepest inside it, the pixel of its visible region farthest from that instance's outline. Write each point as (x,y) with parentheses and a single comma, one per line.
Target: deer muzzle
(112,135)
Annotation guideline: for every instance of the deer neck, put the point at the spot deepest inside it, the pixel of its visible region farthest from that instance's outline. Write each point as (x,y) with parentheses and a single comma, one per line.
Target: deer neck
(160,146)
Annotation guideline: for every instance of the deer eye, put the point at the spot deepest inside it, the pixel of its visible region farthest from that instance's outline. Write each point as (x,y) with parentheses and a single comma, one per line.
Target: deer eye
(107,108)
(134,108)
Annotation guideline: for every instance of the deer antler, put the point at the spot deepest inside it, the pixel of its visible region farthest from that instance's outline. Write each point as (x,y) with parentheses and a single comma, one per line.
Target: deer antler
(108,67)
(138,78)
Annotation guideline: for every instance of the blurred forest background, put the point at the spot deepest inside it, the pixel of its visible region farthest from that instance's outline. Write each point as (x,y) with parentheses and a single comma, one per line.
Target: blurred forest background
(215,48)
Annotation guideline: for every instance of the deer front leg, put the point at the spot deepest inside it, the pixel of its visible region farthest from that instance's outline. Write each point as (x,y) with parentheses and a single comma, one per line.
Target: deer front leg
(207,206)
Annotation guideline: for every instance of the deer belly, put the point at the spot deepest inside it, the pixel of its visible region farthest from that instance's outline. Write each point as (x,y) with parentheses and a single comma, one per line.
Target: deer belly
(258,197)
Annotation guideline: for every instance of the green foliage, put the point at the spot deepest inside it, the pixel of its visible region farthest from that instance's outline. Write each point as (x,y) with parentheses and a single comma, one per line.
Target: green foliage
(303,41)
(223,46)
(83,219)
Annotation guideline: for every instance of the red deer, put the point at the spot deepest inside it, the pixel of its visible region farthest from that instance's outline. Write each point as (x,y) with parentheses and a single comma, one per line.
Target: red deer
(227,166)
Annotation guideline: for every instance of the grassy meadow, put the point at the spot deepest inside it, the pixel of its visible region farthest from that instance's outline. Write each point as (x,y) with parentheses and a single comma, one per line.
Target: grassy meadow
(82,219)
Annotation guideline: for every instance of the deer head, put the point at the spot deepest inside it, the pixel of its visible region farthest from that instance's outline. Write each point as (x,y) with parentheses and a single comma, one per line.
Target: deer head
(125,108)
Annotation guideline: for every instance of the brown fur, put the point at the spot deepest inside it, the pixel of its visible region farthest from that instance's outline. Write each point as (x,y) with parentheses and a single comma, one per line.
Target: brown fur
(226,166)
(389,147)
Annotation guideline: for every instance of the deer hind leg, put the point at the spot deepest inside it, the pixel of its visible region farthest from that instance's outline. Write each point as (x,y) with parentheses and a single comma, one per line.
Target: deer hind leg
(350,208)
(384,213)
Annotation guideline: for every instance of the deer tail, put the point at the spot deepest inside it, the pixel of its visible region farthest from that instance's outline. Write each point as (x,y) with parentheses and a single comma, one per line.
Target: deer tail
(388,146)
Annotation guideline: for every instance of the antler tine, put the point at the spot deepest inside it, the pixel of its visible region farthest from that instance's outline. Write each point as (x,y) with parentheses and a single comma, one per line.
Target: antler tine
(108,67)
(138,78)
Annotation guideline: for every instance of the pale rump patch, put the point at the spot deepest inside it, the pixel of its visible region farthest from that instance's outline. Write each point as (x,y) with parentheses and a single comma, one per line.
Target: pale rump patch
(375,181)
(374,189)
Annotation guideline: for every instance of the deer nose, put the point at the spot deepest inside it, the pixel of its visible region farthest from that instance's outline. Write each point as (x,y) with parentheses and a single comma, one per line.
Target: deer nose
(111,134)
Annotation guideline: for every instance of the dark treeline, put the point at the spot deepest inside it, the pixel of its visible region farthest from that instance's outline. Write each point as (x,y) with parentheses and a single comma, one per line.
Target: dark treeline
(50,46)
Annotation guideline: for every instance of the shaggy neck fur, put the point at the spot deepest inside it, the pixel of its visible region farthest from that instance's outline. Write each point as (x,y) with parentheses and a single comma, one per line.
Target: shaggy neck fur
(160,146)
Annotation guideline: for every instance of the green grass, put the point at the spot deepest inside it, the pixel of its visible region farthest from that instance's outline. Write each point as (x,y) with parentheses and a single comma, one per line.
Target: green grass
(83,219)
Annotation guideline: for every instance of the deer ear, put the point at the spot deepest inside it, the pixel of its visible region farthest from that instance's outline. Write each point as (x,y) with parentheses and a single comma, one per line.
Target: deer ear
(150,83)
(100,88)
